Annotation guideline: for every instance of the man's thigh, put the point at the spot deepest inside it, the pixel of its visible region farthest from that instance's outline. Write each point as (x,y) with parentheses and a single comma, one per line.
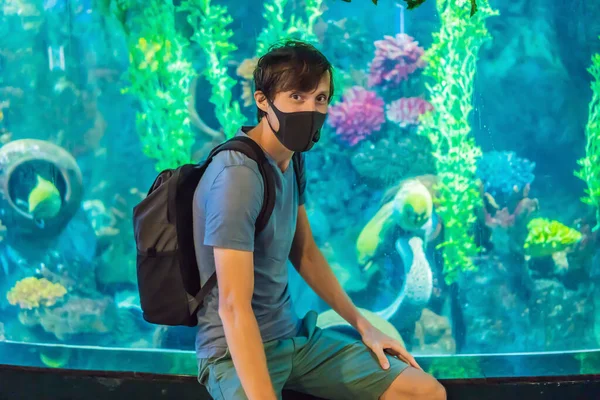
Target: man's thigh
(223,383)
(334,366)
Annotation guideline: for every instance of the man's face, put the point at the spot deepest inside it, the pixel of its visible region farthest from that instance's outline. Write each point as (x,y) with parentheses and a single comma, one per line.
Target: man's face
(295,100)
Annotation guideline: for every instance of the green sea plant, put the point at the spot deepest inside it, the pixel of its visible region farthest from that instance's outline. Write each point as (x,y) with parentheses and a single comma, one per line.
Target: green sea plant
(451,63)
(159,75)
(278,28)
(211,32)
(275,29)
(546,237)
(305,30)
(590,164)
(410,4)
(297,28)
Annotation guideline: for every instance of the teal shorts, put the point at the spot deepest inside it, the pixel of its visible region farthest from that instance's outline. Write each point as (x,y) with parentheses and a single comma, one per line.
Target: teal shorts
(322,363)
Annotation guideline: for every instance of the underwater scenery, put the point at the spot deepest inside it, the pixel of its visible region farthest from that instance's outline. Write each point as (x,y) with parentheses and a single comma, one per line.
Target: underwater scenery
(455,190)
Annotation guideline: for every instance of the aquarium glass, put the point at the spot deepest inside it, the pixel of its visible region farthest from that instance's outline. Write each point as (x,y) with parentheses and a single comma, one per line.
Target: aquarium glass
(454,191)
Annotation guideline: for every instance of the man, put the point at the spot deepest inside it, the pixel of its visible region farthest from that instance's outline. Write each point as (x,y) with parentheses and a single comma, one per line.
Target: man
(250,344)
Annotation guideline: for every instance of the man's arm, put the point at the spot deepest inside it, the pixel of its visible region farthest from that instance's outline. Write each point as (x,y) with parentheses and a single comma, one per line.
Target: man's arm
(315,270)
(231,208)
(235,274)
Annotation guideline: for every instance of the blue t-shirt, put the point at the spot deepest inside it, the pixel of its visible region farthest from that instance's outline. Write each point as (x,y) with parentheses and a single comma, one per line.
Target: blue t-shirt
(227,202)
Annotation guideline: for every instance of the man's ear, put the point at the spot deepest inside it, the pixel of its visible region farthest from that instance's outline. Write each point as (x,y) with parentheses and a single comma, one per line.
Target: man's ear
(261,100)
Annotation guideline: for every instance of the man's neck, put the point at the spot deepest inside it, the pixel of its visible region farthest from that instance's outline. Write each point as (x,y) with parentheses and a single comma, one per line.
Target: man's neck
(265,137)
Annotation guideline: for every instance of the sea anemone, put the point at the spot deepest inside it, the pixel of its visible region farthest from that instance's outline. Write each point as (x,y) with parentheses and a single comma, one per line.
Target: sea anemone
(359,114)
(395,59)
(406,111)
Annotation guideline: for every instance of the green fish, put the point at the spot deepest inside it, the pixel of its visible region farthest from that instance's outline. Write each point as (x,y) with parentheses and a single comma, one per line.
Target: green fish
(44,200)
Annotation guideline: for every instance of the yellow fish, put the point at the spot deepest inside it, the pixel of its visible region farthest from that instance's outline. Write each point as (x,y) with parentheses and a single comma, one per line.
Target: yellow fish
(44,200)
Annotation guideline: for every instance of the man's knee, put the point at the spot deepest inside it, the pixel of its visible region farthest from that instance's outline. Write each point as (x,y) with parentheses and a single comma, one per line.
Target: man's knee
(415,385)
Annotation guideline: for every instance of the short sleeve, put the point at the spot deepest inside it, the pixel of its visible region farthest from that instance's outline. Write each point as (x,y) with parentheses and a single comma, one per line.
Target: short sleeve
(232,207)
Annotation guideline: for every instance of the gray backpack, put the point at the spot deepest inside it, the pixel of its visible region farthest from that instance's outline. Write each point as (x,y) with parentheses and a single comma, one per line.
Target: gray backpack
(167,272)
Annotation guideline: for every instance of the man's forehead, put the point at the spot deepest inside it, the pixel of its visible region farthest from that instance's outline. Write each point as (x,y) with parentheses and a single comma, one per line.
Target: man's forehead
(323,87)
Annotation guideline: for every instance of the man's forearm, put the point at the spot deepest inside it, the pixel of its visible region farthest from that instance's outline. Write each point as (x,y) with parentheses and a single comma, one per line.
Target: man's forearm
(315,270)
(247,352)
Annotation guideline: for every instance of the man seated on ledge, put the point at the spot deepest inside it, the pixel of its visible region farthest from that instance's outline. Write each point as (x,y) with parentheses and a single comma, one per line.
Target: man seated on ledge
(250,344)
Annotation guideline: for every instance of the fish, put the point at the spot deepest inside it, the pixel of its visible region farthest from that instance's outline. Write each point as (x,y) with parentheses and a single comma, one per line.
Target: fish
(44,200)
(418,285)
(410,4)
(374,1)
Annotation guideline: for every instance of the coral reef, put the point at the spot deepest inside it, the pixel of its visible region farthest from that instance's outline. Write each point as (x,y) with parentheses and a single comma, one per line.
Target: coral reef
(503,172)
(508,223)
(76,316)
(331,194)
(590,164)
(547,237)
(110,220)
(563,318)
(396,57)
(451,62)
(521,313)
(498,320)
(407,110)
(388,160)
(357,116)
(30,293)
(347,42)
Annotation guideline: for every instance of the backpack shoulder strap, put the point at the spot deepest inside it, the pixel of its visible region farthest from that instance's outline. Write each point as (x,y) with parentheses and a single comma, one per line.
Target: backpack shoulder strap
(298,162)
(252,150)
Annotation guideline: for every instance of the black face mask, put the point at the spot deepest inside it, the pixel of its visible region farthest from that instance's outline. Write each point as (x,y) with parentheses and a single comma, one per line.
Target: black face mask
(298,131)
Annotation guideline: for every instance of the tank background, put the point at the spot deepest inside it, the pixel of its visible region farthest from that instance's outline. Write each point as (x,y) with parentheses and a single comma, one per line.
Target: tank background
(531,97)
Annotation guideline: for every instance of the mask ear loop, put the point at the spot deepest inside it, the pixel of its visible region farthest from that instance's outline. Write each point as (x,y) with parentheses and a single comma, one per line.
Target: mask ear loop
(266,115)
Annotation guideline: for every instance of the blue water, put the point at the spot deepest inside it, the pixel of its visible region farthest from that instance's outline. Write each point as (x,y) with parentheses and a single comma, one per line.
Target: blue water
(500,280)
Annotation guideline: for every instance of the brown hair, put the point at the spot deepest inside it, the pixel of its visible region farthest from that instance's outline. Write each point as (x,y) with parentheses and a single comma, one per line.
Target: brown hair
(288,66)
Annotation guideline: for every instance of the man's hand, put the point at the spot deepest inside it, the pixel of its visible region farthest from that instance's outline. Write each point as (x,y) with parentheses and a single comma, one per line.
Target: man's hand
(380,343)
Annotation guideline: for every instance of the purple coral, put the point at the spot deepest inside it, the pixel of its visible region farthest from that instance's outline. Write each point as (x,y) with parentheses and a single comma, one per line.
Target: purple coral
(395,59)
(407,110)
(360,113)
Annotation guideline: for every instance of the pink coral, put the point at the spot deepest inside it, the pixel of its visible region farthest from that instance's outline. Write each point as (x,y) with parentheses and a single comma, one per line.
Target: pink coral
(406,111)
(395,59)
(360,113)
